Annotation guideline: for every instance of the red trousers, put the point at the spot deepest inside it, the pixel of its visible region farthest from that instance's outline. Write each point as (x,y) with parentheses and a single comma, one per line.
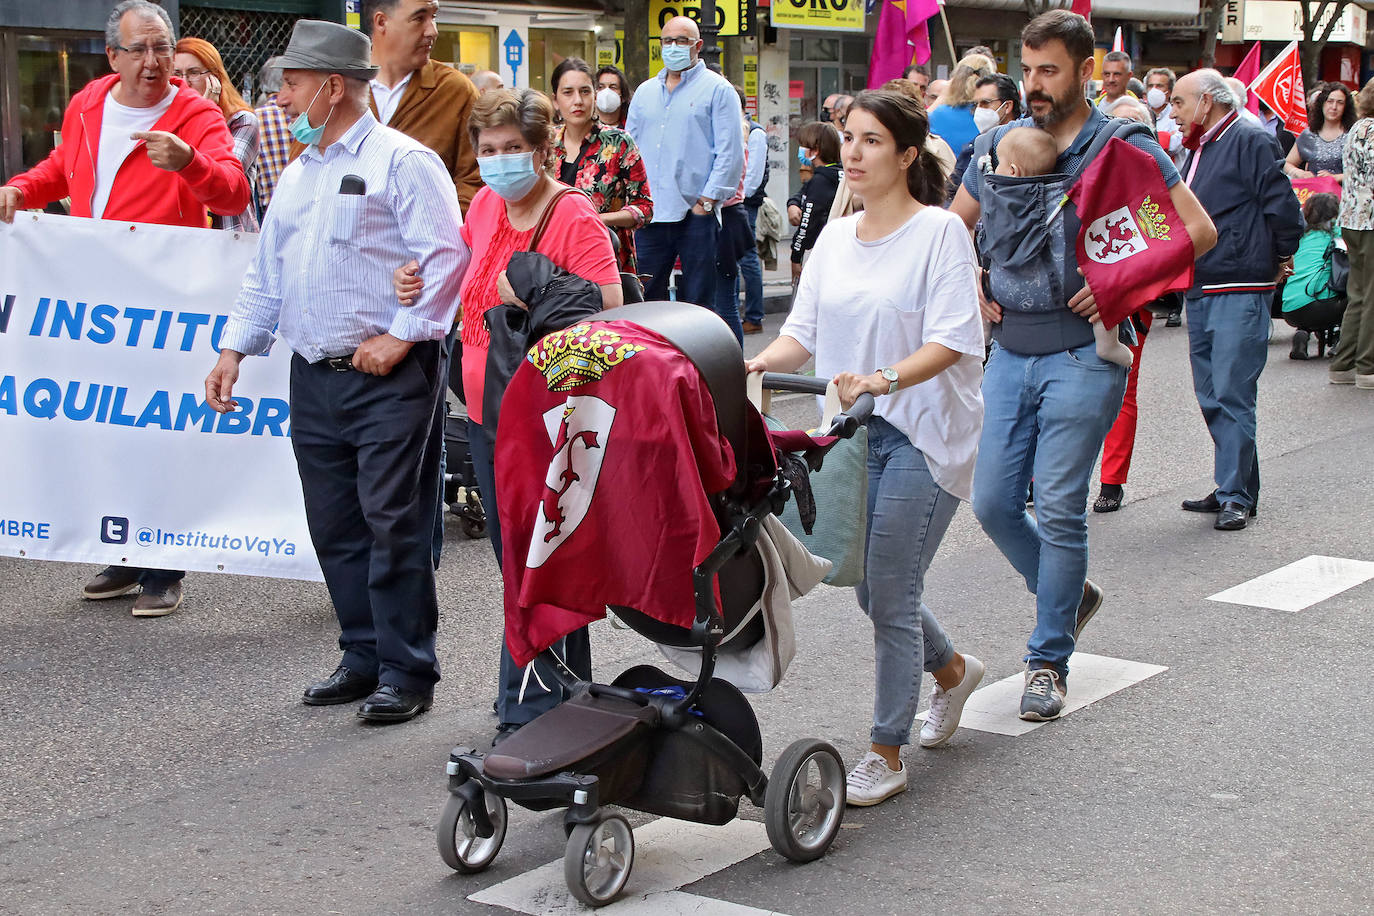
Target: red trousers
(1120,441)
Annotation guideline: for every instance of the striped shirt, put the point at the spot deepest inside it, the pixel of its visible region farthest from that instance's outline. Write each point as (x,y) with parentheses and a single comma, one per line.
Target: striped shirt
(274,131)
(243,127)
(322,272)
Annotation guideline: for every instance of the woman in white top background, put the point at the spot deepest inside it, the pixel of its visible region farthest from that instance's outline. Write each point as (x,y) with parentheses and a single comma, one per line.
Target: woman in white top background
(888,305)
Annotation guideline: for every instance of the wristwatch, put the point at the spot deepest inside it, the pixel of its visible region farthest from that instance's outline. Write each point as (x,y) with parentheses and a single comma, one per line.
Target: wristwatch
(708,205)
(891,375)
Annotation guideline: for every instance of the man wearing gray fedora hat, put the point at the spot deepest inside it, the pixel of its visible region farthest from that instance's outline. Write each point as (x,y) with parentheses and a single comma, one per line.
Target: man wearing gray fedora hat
(366,386)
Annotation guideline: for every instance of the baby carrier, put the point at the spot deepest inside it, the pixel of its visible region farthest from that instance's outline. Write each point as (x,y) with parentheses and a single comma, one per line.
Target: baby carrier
(1027,221)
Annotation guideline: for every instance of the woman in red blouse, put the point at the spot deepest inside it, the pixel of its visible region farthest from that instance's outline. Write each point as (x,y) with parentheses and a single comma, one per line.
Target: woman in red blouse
(599,160)
(512,132)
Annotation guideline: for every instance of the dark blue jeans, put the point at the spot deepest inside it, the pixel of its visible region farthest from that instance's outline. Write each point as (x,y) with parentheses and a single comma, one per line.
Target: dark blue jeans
(693,239)
(575,648)
(751,272)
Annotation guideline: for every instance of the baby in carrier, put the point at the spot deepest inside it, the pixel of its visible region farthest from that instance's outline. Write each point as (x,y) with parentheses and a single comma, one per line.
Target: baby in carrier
(1027,152)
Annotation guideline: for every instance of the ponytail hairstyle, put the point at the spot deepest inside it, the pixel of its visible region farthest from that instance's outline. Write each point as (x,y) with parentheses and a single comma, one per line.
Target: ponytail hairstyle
(905,119)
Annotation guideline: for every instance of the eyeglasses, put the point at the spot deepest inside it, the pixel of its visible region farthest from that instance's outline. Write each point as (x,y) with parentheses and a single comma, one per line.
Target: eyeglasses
(161,49)
(194,73)
(680,42)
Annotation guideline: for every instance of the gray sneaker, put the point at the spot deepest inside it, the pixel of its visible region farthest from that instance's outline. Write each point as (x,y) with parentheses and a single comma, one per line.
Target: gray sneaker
(1043,698)
(111,582)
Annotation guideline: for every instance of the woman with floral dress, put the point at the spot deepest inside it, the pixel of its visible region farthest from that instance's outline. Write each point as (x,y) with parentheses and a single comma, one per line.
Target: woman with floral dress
(602,162)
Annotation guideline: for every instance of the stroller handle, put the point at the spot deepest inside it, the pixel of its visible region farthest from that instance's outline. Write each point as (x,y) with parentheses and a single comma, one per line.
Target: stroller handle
(845,424)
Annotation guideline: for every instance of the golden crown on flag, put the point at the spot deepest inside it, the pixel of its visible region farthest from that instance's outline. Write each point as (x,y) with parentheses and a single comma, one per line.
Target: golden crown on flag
(578,356)
(1151,220)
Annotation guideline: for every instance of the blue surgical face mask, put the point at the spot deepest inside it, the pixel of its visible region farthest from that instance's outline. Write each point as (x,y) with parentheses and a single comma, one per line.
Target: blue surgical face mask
(802,157)
(677,58)
(510,175)
(301,129)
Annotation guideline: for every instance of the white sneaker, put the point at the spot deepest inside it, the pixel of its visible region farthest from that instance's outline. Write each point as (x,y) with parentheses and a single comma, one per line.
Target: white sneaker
(946,706)
(873,781)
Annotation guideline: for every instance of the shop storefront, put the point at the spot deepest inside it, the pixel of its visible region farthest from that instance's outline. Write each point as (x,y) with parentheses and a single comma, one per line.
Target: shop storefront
(1277,22)
(521,42)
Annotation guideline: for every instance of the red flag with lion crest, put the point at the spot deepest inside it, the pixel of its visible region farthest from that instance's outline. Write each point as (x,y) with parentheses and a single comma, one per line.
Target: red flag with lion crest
(1132,246)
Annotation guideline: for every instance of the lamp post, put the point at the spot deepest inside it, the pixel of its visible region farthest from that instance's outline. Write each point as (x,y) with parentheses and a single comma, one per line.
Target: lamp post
(710,50)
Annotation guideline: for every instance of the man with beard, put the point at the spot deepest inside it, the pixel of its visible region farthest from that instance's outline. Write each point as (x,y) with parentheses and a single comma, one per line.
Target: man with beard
(1049,398)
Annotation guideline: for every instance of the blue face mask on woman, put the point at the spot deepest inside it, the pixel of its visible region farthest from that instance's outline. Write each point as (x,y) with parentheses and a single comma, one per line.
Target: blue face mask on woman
(510,175)
(802,158)
(301,129)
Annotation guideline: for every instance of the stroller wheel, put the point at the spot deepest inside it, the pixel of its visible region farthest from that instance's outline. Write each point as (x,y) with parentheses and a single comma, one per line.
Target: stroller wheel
(598,859)
(459,845)
(805,800)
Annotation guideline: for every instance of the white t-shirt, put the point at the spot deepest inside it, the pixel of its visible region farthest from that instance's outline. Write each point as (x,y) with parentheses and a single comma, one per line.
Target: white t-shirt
(117,122)
(387,98)
(861,306)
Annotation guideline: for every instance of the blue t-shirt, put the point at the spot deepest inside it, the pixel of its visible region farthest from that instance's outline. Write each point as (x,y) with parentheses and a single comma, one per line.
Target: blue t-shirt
(954,124)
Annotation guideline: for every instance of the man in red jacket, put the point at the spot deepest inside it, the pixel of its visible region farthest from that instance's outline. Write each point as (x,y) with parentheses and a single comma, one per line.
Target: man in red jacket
(141,147)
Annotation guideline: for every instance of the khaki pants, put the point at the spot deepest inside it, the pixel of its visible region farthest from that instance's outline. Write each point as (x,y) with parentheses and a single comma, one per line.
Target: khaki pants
(1356,348)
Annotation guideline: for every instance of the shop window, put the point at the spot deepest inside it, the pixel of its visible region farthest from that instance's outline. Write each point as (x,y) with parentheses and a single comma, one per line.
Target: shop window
(550,47)
(821,48)
(468,48)
(51,71)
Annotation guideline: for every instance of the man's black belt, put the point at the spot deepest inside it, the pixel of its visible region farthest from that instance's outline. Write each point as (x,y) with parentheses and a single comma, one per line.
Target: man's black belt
(339,363)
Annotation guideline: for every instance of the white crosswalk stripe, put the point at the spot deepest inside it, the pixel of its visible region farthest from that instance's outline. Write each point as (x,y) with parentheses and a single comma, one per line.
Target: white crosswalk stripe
(995,708)
(669,854)
(1300,584)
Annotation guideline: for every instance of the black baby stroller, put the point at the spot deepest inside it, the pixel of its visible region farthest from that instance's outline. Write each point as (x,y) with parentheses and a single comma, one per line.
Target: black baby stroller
(461,493)
(687,749)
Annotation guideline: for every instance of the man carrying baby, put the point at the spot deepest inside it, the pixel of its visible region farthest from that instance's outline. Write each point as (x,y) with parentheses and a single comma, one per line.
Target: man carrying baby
(1049,397)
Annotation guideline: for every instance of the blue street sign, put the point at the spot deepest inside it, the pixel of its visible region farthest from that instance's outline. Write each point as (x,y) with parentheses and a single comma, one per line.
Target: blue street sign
(515,55)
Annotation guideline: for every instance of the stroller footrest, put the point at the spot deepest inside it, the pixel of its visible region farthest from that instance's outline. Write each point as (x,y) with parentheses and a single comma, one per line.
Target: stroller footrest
(582,727)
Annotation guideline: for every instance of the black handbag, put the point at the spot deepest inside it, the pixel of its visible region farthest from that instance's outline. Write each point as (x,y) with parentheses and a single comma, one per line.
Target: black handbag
(1339,259)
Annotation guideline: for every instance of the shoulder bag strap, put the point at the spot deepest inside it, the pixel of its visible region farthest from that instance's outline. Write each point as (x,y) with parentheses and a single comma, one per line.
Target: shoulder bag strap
(547,215)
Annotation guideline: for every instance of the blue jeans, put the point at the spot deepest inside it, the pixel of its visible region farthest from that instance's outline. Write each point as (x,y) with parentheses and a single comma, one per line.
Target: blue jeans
(575,648)
(751,272)
(1044,416)
(908,515)
(693,239)
(1228,343)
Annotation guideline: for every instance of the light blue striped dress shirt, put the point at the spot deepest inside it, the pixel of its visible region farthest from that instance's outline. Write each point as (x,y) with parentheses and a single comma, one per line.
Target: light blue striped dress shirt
(690,140)
(322,272)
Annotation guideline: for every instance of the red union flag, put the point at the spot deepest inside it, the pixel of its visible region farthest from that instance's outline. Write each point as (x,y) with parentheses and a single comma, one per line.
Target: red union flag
(1279,86)
(1132,245)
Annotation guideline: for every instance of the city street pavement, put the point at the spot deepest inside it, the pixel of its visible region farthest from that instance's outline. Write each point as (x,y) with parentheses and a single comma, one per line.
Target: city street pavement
(168,766)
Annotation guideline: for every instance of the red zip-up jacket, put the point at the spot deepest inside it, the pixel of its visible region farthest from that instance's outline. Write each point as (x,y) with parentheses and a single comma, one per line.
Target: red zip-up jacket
(142,192)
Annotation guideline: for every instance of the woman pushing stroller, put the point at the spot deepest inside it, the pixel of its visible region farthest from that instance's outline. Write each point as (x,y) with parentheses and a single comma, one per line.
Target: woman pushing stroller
(888,305)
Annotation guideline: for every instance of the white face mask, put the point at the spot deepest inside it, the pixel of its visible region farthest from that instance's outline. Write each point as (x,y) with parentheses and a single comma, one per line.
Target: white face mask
(1156,98)
(985,118)
(608,101)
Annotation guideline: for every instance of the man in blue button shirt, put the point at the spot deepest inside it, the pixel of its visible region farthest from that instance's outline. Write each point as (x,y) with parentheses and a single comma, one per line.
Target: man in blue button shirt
(686,122)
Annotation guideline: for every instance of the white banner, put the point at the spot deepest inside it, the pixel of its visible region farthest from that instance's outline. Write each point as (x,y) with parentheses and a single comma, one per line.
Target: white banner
(108,452)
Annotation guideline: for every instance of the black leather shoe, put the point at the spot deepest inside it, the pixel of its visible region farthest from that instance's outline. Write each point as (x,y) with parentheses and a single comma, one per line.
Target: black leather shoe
(343,686)
(1232,517)
(1208,503)
(390,703)
(504,731)
(1174,320)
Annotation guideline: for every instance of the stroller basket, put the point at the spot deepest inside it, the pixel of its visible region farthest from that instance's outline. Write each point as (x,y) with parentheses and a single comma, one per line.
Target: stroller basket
(689,749)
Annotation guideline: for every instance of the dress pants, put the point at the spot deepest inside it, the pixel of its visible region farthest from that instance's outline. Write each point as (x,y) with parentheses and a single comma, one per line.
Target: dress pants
(1228,343)
(367,451)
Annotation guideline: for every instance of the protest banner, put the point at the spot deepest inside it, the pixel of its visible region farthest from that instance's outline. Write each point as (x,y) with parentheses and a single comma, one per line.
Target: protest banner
(108,451)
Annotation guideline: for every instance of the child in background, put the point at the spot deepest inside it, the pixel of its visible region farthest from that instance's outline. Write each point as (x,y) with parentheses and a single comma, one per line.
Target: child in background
(1028,152)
